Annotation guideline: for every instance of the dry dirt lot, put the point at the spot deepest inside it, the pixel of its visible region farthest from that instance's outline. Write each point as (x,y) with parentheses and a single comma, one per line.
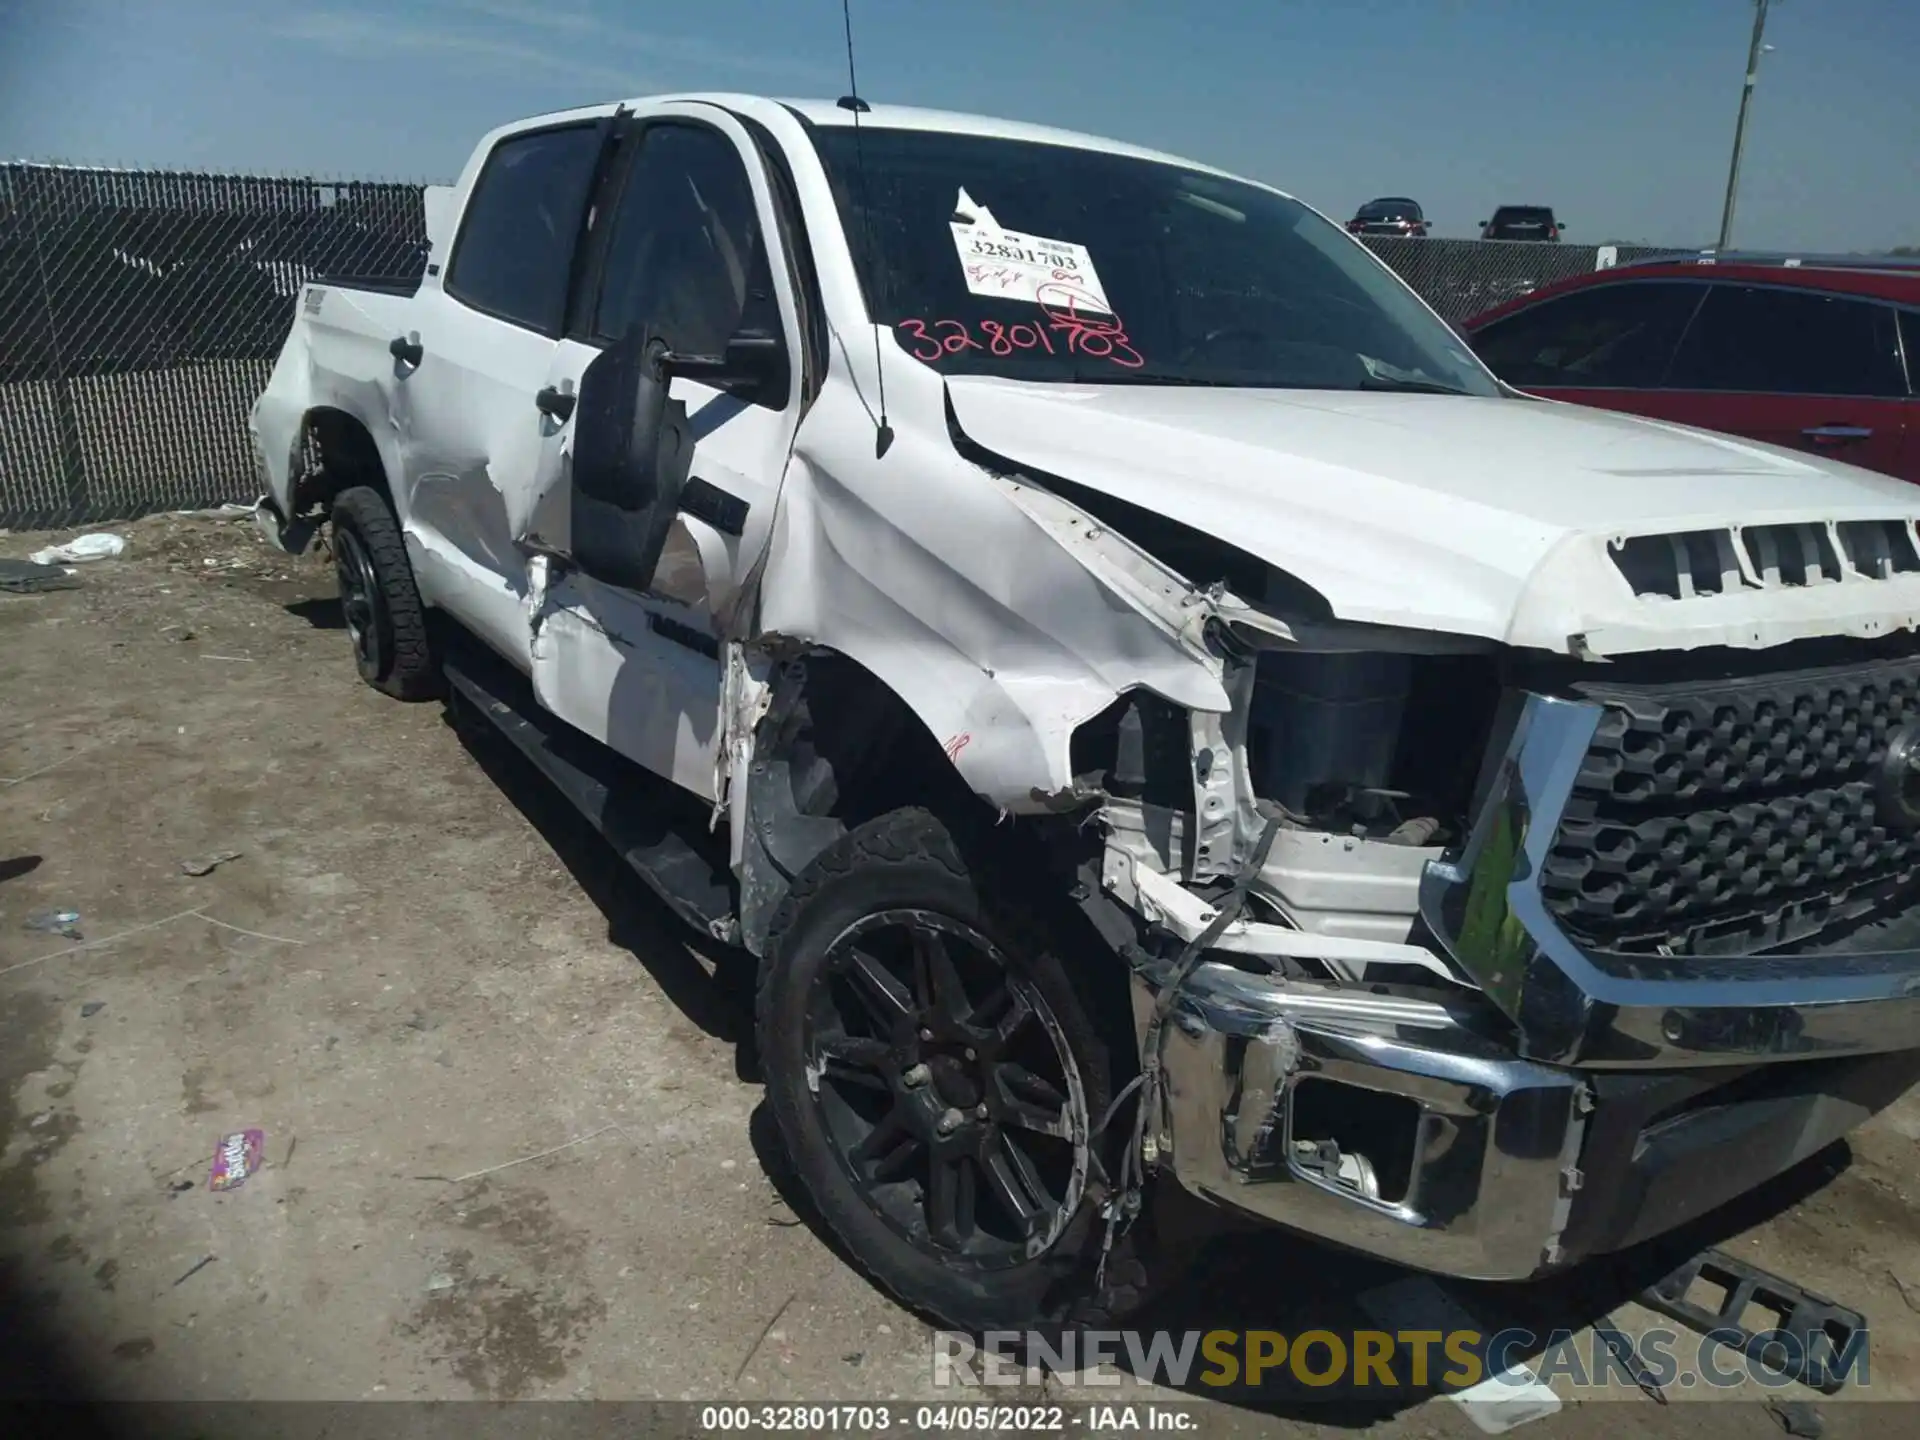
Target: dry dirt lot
(514,1147)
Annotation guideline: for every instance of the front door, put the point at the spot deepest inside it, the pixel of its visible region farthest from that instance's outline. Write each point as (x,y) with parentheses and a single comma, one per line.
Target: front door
(686,241)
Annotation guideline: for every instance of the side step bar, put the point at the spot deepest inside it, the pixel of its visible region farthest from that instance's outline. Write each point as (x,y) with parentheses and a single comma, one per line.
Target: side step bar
(631,808)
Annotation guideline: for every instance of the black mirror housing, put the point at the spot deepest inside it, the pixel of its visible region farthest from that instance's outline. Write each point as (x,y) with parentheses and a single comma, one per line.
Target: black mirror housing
(632,449)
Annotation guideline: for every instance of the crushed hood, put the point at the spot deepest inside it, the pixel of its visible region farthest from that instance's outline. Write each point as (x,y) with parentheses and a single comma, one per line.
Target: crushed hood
(1472,516)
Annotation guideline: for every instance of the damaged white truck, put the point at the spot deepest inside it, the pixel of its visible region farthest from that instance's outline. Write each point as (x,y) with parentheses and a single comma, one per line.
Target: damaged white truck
(1159,711)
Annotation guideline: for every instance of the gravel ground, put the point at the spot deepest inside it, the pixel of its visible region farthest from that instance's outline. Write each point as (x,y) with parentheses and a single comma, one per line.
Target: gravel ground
(513,1143)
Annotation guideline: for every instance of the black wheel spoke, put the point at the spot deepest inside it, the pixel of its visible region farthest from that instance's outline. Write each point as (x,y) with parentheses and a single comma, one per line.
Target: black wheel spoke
(888,1150)
(886,998)
(854,1059)
(1029,1102)
(1014,1185)
(936,978)
(1004,1013)
(950,1200)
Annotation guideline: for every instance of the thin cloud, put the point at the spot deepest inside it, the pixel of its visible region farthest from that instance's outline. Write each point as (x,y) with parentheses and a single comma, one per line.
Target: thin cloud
(348,33)
(576,21)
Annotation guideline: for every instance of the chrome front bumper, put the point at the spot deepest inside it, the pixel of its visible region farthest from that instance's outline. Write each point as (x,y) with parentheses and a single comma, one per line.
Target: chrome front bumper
(1500,1168)
(1495,1137)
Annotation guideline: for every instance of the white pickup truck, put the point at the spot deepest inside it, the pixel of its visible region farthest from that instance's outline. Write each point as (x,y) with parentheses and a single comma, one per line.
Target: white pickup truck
(1160,712)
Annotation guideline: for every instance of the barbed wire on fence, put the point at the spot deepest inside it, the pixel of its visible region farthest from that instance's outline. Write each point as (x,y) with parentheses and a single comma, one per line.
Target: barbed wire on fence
(141,311)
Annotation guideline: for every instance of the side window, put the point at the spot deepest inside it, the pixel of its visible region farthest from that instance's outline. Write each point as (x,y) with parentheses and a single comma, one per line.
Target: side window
(685,254)
(1789,342)
(516,241)
(1910,331)
(1618,336)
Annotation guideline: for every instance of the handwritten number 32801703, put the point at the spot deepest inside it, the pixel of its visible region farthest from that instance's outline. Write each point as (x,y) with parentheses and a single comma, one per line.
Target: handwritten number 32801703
(1079,334)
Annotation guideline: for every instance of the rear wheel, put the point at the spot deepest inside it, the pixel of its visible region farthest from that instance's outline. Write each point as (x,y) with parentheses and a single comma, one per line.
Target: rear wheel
(936,1073)
(380,604)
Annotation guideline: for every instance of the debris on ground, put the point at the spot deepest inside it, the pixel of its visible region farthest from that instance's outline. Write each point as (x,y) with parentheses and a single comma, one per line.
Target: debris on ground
(237,1157)
(206,864)
(180,1187)
(439,1281)
(92,1008)
(28,577)
(57,922)
(1797,1417)
(99,545)
(1741,1287)
(194,1271)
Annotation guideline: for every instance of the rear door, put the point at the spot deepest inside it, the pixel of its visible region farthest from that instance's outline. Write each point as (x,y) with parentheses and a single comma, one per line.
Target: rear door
(1793,367)
(470,430)
(686,237)
(1607,344)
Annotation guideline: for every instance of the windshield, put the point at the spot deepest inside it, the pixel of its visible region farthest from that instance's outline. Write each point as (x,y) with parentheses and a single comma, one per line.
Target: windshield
(1043,262)
(1520,216)
(1390,210)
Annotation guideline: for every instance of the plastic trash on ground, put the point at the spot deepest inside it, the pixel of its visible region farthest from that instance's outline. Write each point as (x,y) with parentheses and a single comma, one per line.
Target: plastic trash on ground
(97,546)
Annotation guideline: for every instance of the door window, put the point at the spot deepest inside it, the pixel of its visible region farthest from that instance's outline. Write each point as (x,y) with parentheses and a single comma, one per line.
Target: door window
(1789,342)
(685,254)
(516,242)
(1609,337)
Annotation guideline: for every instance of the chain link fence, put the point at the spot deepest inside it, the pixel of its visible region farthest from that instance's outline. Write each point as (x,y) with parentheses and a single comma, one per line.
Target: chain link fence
(140,313)
(139,316)
(1460,278)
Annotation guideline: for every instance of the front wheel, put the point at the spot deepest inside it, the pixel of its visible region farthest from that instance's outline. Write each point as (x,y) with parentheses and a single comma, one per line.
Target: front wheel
(936,1072)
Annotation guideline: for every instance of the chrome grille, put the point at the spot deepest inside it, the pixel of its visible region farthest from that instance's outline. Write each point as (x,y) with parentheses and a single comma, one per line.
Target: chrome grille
(1733,817)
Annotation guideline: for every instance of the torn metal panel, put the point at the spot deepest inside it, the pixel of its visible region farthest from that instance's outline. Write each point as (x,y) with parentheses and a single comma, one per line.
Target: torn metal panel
(924,569)
(745,699)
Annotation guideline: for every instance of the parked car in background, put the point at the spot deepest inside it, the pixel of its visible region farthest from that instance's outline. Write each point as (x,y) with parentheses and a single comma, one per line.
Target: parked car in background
(1807,355)
(1391,215)
(1521,222)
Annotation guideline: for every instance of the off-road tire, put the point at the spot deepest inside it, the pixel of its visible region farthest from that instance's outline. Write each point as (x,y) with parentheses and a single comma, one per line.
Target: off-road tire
(400,660)
(908,859)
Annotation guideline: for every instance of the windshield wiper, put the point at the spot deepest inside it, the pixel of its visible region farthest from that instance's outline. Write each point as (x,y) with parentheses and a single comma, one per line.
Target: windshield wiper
(1412,387)
(1119,376)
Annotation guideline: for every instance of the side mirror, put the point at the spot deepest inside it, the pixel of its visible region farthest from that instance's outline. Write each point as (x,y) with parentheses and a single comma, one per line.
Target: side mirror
(631,451)
(752,357)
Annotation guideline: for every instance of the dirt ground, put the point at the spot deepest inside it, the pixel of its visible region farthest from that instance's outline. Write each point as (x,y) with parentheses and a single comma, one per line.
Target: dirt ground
(513,1143)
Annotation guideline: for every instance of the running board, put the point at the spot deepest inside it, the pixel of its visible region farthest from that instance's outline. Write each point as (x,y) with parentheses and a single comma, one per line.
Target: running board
(630,807)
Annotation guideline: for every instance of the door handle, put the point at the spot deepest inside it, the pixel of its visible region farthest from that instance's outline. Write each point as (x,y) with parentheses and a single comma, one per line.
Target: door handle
(406,349)
(556,403)
(1836,434)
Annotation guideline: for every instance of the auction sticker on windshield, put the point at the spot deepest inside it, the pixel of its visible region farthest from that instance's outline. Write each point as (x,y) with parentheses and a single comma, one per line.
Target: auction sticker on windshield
(1011,265)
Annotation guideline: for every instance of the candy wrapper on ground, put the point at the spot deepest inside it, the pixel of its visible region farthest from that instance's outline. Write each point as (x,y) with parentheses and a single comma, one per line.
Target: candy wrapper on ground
(236,1158)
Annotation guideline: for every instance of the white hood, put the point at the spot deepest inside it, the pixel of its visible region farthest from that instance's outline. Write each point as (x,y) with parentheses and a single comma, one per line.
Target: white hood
(1472,516)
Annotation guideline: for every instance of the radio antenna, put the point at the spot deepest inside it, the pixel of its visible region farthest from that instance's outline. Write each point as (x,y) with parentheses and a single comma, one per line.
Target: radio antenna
(852,102)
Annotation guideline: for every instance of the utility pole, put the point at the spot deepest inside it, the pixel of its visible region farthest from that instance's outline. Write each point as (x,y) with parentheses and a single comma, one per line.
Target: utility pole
(1740,125)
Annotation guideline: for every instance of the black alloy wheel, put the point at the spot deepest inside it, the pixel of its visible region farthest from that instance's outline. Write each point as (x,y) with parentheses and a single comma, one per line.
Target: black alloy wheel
(947,1089)
(362,606)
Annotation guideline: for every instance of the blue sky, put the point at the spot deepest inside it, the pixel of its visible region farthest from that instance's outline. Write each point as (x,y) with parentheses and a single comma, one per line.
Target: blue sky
(1620,115)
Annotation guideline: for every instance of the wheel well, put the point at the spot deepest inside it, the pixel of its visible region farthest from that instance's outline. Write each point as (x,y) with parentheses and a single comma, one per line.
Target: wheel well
(854,748)
(335,452)
(837,748)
